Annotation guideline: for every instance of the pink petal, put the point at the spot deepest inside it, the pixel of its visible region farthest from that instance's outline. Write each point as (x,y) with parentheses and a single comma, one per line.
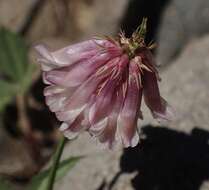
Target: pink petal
(46,59)
(69,115)
(74,53)
(96,129)
(55,102)
(79,99)
(103,104)
(127,121)
(76,74)
(105,98)
(56,97)
(71,54)
(167,115)
(72,129)
(51,90)
(77,123)
(86,121)
(108,135)
(157,105)
(45,81)
(149,61)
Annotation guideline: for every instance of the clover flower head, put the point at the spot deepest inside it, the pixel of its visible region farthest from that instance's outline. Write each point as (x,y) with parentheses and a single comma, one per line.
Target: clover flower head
(97,86)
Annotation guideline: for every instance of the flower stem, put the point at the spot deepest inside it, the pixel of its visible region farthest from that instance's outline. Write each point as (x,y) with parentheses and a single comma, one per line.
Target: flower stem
(56,159)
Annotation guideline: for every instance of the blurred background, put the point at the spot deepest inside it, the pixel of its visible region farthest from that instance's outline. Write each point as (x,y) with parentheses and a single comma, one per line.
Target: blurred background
(170,157)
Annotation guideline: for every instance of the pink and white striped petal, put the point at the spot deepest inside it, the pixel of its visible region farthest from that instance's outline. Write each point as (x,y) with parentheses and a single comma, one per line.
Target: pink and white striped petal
(127,121)
(76,74)
(157,105)
(72,54)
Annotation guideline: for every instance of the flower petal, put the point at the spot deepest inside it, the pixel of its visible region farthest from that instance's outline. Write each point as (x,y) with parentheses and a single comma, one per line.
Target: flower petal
(96,129)
(72,129)
(50,90)
(103,103)
(70,115)
(56,96)
(77,122)
(82,95)
(148,60)
(71,54)
(46,59)
(127,121)
(76,74)
(105,99)
(157,105)
(108,135)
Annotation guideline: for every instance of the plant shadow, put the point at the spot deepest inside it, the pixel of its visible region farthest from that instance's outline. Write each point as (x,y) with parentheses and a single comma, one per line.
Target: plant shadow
(168,160)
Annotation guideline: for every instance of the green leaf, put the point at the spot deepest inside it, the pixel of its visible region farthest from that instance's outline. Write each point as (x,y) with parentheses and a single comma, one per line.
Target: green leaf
(13,55)
(4,185)
(8,90)
(15,70)
(39,182)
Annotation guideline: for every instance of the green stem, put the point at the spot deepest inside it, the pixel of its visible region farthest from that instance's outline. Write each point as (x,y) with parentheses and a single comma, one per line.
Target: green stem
(55,165)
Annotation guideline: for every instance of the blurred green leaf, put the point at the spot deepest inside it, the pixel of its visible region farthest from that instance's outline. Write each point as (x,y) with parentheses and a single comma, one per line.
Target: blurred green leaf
(15,70)
(7,92)
(4,185)
(13,55)
(39,182)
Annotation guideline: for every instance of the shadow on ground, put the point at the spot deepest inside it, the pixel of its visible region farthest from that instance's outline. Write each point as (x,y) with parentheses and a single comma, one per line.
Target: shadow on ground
(168,160)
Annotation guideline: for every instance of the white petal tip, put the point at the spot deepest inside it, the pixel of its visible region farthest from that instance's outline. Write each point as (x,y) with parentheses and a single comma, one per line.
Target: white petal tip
(70,134)
(67,132)
(63,127)
(130,142)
